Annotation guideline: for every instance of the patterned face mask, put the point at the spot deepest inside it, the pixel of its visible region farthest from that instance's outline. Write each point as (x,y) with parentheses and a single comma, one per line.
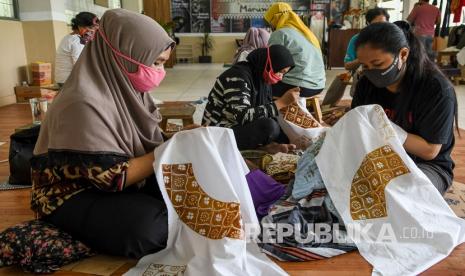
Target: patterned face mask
(384,77)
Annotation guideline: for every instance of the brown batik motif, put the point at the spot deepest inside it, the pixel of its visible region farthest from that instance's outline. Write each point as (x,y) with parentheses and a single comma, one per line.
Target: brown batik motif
(367,198)
(294,114)
(164,270)
(205,215)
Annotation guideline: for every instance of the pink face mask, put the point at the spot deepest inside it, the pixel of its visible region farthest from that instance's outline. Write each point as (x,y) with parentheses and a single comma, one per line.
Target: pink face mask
(145,78)
(270,76)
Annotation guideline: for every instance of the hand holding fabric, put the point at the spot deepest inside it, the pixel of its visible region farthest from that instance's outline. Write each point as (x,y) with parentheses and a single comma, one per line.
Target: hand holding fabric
(291,96)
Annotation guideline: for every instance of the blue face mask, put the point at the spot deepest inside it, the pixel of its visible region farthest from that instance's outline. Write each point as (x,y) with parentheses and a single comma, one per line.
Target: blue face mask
(384,77)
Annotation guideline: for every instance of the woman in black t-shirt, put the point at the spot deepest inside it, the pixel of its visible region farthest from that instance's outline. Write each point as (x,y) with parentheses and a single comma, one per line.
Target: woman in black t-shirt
(414,94)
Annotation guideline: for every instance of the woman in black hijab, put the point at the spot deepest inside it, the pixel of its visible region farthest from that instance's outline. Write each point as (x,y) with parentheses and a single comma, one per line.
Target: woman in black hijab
(241,99)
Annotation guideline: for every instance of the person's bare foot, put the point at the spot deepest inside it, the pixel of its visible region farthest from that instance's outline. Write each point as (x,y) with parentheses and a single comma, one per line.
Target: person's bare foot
(275,148)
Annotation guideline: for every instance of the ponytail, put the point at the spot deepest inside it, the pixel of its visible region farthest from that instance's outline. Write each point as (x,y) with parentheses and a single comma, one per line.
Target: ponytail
(420,66)
(84,19)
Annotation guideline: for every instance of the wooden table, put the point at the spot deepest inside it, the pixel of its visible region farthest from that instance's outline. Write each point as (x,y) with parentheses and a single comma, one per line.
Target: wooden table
(176,110)
(451,54)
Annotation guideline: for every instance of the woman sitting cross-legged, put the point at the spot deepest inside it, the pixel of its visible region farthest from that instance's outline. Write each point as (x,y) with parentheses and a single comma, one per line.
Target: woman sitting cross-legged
(95,147)
(414,93)
(241,99)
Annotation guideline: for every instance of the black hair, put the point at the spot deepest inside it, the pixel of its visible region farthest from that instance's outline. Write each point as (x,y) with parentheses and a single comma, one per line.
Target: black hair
(391,38)
(373,13)
(84,19)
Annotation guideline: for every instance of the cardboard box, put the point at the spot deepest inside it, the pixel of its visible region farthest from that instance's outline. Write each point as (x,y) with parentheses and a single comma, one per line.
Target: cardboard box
(41,73)
(24,93)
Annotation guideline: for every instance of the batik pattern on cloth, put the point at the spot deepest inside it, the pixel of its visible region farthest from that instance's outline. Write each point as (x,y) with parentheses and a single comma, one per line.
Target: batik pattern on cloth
(39,247)
(294,114)
(280,166)
(455,198)
(303,214)
(59,175)
(205,215)
(164,270)
(379,167)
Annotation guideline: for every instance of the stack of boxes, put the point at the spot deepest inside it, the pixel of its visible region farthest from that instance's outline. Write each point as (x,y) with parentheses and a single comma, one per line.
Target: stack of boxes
(41,81)
(41,73)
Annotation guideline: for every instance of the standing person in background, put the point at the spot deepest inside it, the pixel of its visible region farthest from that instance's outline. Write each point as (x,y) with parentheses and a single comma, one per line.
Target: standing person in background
(254,38)
(289,30)
(84,26)
(424,17)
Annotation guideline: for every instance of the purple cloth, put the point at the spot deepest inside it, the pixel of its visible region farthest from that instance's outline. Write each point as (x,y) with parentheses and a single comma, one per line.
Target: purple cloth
(265,191)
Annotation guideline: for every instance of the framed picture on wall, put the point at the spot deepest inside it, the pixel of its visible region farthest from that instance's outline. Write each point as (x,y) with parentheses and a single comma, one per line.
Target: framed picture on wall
(111,4)
(102,3)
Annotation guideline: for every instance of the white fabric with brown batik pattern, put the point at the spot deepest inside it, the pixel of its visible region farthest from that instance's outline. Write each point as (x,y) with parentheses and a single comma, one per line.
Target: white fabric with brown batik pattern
(396,217)
(211,216)
(299,125)
(205,215)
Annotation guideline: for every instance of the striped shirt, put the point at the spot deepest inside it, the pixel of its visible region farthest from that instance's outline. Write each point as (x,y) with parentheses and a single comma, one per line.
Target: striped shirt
(231,102)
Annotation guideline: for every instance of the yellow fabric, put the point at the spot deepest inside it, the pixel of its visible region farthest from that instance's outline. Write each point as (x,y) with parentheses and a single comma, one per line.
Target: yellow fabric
(280,15)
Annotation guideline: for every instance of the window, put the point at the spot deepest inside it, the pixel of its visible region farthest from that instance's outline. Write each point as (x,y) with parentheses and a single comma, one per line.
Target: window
(9,9)
(114,4)
(69,14)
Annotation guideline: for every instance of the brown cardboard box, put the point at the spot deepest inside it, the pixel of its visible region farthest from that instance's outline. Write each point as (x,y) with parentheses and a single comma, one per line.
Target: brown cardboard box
(41,73)
(24,93)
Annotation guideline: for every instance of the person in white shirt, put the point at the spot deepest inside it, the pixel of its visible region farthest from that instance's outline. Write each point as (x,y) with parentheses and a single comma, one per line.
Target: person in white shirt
(84,26)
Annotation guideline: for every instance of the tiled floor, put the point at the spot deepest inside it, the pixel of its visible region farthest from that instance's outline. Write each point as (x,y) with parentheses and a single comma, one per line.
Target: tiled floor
(187,82)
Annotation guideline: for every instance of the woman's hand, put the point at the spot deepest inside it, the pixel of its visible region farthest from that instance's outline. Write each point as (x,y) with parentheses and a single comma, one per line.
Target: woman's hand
(291,96)
(139,168)
(168,135)
(418,146)
(352,65)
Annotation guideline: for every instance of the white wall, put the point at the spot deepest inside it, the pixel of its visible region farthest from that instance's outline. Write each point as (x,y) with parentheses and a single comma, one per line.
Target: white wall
(395,8)
(33,10)
(133,5)
(64,10)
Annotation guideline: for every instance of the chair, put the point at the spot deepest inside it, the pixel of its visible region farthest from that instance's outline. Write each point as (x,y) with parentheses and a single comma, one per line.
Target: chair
(314,103)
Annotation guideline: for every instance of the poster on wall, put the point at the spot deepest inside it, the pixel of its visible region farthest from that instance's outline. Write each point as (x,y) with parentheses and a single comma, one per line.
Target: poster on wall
(239,16)
(200,16)
(226,16)
(180,13)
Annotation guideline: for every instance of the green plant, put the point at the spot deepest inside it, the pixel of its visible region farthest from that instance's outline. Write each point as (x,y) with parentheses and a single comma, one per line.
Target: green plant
(207,44)
(169,28)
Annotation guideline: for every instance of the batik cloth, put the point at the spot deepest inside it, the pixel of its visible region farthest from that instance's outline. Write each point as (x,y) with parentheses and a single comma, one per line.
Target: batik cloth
(211,216)
(299,125)
(304,217)
(396,217)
